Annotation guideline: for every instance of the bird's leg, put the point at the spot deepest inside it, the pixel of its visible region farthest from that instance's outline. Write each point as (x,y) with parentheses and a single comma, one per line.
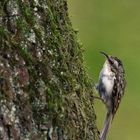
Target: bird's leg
(99,98)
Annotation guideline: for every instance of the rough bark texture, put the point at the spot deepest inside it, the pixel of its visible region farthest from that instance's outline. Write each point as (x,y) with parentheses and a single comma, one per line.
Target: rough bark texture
(44,90)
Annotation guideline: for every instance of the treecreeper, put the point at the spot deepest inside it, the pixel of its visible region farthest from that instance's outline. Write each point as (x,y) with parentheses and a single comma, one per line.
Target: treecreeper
(111,88)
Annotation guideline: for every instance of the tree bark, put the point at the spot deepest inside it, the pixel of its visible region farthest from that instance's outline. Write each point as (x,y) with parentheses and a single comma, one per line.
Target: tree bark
(45,93)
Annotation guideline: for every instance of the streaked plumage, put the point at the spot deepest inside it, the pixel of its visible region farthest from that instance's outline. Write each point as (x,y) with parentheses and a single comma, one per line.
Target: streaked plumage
(111,88)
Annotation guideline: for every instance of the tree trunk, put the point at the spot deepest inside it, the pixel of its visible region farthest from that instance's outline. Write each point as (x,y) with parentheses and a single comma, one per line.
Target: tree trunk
(45,93)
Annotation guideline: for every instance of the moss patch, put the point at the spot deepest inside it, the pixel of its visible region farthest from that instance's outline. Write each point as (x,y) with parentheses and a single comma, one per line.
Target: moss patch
(46,66)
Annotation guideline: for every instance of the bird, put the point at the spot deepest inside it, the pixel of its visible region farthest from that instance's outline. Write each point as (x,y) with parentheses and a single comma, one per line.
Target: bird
(111,87)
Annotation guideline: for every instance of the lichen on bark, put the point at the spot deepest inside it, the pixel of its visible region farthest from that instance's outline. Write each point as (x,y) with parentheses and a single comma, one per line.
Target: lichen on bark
(45,92)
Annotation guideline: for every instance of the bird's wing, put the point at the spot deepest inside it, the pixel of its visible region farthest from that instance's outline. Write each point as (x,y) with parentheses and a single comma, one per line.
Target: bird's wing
(118,91)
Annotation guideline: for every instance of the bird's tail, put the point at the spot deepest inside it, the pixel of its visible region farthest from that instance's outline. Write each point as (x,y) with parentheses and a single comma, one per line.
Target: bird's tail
(105,129)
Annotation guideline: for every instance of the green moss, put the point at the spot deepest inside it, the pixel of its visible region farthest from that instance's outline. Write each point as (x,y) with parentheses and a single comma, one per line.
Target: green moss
(59,90)
(1,31)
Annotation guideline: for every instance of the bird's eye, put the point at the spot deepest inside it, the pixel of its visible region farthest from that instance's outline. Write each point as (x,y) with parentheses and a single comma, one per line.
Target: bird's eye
(111,62)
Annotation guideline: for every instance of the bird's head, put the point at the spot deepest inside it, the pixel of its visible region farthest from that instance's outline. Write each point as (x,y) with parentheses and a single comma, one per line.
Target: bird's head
(114,62)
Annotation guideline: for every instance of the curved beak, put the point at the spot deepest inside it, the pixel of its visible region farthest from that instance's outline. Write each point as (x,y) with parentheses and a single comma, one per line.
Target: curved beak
(105,55)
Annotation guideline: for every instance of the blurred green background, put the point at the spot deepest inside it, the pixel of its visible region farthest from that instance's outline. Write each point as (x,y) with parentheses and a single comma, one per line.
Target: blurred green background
(113,27)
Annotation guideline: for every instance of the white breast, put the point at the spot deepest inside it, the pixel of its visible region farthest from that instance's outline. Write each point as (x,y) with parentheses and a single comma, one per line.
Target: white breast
(107,78)
(108,84)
